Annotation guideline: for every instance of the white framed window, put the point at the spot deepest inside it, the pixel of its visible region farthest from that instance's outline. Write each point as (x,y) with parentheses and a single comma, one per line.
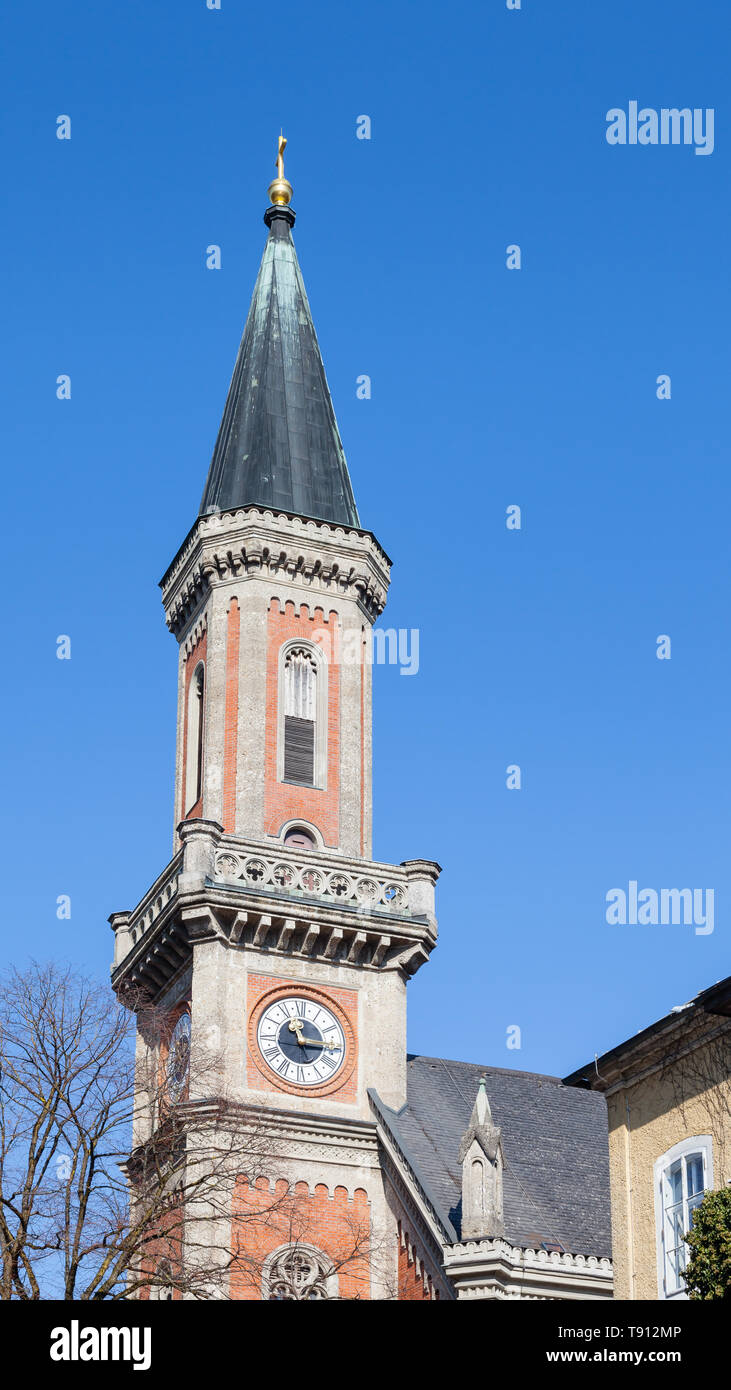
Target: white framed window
(194,738)
(681,1177)
(298,1274)
(302,715)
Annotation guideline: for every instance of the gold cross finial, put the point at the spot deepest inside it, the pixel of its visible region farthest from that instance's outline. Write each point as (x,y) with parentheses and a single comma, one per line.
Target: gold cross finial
(280,190)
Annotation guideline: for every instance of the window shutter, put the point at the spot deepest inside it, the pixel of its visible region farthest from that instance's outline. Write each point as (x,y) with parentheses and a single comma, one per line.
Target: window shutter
(299,750)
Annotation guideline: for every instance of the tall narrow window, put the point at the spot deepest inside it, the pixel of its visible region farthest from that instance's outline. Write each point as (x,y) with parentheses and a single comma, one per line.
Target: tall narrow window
(194,751)
(681,1177)
(300,716)
(478,1182)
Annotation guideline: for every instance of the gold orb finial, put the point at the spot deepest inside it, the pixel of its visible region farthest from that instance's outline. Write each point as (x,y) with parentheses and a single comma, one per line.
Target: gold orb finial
(280,189)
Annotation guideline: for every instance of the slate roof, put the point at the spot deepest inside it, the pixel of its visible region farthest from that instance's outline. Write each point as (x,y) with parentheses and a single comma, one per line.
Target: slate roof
(278,444)
(555,1143)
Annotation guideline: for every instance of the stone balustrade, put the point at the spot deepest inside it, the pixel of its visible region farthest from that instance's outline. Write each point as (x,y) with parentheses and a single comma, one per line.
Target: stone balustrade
(312,893)
(316,876)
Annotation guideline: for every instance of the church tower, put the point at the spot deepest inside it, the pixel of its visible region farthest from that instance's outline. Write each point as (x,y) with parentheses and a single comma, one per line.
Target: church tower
(272,937)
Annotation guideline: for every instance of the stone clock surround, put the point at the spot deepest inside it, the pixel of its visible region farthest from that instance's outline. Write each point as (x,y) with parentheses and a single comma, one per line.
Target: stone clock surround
(263,990)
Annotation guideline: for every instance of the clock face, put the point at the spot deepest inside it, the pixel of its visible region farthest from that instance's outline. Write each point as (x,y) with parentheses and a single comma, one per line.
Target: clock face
(301,1041)
(178,1058)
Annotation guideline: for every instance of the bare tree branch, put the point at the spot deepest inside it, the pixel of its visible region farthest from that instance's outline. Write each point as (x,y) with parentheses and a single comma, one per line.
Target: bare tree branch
(109,1188)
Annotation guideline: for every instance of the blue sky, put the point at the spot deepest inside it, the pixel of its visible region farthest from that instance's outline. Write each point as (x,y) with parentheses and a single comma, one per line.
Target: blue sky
(490,388)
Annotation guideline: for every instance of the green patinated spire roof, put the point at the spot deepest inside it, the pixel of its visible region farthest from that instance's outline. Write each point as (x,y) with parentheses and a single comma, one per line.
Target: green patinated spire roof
(278,445)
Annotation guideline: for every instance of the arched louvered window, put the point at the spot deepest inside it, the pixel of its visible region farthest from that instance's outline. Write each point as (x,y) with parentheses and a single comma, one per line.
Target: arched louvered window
(194,745)
(300,715)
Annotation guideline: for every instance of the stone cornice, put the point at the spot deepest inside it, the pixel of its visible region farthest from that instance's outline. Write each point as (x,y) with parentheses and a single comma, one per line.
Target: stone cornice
(496,1269)
(360,1136)
(367,942)
(327,560)
(305,1125)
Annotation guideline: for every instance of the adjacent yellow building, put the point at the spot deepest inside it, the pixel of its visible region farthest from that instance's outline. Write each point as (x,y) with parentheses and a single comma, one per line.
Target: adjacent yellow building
(668,1093)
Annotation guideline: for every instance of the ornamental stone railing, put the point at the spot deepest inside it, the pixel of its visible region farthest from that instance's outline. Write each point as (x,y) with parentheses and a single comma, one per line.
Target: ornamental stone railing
(314,877)
(334,903)
(129,927)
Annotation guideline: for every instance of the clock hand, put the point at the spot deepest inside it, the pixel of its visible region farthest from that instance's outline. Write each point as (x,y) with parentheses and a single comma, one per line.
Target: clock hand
(295,1026)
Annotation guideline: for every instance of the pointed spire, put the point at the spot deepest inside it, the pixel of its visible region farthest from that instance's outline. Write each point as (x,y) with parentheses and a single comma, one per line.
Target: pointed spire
(278,445)
(481,1156)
